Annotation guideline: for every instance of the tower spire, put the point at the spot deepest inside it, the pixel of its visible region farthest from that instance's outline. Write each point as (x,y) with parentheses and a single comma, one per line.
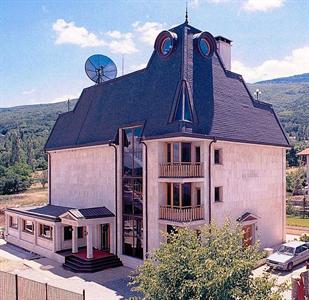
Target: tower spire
(186,17)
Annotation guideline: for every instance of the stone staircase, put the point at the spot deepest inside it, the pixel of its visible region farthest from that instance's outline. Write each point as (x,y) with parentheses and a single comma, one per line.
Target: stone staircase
(79,265)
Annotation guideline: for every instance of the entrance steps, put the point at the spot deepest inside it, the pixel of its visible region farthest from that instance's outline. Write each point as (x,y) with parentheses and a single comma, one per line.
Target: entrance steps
(80,265)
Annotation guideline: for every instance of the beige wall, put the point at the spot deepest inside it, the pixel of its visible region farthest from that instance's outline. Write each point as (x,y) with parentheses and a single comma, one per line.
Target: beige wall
(33,242)
(253,180)
(83,177)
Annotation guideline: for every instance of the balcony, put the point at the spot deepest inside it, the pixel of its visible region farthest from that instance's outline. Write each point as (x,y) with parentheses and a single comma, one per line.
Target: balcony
(181,170)
(184,214)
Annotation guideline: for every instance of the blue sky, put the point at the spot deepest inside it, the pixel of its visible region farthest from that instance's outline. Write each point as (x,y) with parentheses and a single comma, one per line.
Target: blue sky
(44,44)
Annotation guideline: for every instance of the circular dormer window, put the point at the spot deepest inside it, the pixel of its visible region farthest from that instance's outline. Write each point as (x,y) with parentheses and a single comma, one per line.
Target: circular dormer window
(165,43)
(166,46)
(204,47)
(206,44)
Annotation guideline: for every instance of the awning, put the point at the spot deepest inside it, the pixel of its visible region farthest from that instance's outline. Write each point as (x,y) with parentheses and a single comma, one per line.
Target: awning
(91,213)
(247,217)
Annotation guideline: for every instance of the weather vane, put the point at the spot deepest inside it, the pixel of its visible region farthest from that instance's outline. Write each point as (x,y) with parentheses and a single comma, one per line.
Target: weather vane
(186,12)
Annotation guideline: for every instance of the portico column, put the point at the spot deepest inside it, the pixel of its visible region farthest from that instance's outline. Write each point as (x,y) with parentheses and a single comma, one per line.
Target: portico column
(74,239)
(89,241)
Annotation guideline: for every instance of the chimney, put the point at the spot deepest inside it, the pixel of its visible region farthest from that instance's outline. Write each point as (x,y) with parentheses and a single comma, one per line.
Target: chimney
(224,46)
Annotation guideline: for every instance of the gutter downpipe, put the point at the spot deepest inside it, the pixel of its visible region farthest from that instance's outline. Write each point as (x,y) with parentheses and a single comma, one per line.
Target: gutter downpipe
(209,179)
(49,177)
(111,144)
(146,192)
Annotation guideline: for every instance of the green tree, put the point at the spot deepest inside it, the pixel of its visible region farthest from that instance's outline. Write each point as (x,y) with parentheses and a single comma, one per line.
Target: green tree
(14,179)
(15,150)
(211,265)
(295,181)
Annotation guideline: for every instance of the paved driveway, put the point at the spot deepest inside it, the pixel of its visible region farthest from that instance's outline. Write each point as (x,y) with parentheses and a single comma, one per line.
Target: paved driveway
(109,284)
(282,276)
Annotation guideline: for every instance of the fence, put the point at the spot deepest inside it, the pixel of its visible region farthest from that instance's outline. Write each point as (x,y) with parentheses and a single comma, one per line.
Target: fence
(14,287)
(298,206)
(300,286)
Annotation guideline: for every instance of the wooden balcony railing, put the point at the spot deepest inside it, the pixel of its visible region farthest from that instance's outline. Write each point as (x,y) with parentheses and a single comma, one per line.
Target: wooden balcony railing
(185,214)
(181,170)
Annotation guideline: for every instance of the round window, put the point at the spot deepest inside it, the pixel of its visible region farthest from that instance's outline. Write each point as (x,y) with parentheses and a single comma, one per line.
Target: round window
(205,43)
(165,43)
(166,46)
(204,46)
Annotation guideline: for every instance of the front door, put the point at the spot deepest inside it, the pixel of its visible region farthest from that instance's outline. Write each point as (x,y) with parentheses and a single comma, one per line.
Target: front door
(105,237)
(248,235)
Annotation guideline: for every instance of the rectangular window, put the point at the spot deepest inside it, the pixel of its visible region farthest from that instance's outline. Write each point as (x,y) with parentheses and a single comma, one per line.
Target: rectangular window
(198,197)
(133,236)
(67,233)
(186,194)
(218,156)
(176,194)
(185,152)
(46,231)
(13,223)
(138,196)
(198,154)
(169,153)
(132,192)
(168,194)
(176,152)
(28,226)
(218,194)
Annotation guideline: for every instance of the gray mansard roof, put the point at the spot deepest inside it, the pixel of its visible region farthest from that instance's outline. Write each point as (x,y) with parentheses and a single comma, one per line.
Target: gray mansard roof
(221,103)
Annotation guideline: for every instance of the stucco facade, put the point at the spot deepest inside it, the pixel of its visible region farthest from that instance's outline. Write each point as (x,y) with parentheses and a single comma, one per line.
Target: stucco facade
(252,178)
(82,177)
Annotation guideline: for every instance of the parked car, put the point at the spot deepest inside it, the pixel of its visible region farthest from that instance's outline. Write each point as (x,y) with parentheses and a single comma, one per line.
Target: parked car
(289,255)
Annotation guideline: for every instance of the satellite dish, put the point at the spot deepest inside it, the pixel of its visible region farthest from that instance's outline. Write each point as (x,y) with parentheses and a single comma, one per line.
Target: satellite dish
(100,68)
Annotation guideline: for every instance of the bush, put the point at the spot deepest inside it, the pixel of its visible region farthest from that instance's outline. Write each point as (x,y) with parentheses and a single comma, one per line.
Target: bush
(304,237)
(290,209)
(211,265)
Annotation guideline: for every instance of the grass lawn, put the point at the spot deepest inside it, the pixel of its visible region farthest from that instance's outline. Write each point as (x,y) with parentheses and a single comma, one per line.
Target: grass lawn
(297,221)
(32,197)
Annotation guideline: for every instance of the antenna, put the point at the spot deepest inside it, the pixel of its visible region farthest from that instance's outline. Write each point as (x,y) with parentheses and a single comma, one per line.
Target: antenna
(100,68)
(186,16)
(68,104)
(257,94)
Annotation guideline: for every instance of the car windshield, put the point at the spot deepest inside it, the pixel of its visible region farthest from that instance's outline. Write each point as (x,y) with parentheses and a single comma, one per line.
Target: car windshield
(286,250)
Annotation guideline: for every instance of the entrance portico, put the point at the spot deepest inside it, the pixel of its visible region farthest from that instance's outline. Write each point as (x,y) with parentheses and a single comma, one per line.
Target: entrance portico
(99,224)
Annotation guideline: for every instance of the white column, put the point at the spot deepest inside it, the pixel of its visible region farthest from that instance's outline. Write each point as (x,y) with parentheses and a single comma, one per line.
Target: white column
(7,221)
(89,241)
(35,232)
(74,239)
(20,225)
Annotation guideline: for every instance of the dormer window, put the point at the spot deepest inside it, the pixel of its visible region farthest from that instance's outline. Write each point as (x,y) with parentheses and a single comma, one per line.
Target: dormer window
(204,46)
(205,43)
(166,46)
(165,43)
(184,111)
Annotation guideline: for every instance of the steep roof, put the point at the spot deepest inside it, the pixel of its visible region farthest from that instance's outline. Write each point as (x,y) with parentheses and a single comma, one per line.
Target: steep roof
(221,103)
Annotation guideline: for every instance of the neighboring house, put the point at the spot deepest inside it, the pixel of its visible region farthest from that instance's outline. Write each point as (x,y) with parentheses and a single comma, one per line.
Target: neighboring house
(179,143)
